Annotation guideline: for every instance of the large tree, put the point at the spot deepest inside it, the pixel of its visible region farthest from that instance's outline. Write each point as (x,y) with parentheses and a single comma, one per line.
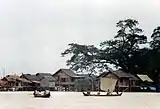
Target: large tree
(155,43)
(125,46)
(155,55)
(83,57)
(121,51)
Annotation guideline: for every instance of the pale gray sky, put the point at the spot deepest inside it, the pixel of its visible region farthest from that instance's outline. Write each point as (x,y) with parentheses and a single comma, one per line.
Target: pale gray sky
(33,33)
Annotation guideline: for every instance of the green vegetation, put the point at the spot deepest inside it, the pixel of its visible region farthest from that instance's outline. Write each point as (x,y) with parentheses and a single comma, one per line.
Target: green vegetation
(124,51)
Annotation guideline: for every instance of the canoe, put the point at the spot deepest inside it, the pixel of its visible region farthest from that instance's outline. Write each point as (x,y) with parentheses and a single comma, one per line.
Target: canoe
(42,96)
(85,94)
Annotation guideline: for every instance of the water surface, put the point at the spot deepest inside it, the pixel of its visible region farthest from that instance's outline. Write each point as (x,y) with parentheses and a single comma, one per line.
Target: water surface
(75,100)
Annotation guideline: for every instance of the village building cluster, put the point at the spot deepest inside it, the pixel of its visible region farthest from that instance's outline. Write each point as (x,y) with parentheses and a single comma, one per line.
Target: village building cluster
(68,80)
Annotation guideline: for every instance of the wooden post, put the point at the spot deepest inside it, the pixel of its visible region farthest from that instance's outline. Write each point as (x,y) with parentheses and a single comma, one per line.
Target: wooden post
(130,85)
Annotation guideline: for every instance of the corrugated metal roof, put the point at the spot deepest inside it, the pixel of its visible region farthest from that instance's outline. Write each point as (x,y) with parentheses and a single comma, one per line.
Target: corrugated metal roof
(144,78)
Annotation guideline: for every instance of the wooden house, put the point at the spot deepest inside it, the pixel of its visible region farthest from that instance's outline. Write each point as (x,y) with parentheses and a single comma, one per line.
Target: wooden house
(125,81)
(65,80)
(35,81)
(14,82)
(47,81)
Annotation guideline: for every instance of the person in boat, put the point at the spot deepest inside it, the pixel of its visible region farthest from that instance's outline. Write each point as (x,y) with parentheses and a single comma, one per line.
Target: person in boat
(88,93)
(47,92)
(108,92)
(36,92)
(98,93)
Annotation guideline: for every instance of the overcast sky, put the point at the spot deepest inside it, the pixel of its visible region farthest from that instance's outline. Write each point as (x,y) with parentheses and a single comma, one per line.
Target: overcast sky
(33,33)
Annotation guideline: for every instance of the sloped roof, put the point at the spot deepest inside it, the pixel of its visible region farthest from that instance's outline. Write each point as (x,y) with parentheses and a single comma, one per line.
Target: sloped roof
(8,79)
(31,77)
(44,74)
(120,74)
(144,78)
(68,72)
(3,83)
(14,78)
(47,76)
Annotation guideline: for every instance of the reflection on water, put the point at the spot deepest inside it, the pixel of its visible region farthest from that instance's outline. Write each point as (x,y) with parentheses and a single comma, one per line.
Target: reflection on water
(75,100)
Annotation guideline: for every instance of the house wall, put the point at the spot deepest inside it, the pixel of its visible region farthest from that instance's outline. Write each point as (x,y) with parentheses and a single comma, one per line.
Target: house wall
(46,83)
(64,82)
(51,84)
(123,82)
(111,75)
(63,78)
(25,84)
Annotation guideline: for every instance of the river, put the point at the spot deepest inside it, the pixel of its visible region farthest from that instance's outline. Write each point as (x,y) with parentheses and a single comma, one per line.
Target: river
(75,100)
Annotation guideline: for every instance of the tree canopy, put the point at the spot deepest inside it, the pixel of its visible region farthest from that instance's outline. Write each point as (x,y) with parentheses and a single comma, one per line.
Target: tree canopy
(123,51)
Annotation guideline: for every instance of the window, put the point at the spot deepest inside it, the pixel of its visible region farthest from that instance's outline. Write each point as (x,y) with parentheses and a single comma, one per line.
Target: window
(133,83)
(17,84)
(121,80)
(72,79)
(63,79)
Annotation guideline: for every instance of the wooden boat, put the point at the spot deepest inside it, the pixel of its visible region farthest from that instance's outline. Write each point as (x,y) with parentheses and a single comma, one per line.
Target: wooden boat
(107,85)
(42,95)
(85,94)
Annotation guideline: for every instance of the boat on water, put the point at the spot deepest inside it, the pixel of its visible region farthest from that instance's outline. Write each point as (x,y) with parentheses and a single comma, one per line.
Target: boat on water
(45,94)
(108,86)
(86,94)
